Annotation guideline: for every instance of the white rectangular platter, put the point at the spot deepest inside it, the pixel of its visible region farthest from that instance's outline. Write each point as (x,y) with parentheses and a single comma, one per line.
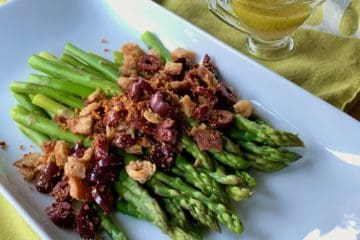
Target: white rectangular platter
(315,198)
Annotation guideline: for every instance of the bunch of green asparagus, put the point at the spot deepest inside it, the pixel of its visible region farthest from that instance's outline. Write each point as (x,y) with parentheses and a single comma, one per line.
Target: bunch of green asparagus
(180,201)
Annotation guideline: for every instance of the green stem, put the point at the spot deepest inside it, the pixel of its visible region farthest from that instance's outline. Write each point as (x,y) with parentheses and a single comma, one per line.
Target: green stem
(69,59)
(267,134)
(177,214)
(221,211)
(46,126)
(60,84)
(200,157)
(50,105)
(230,146)
(230,159)
(36,137)
(59,71)
(221,176)
(134,193)
(153,42)
(25,101)
(32,88)
(249,180)
(129,209)
(92,61)
(114,232)
(118,58)
(104,61)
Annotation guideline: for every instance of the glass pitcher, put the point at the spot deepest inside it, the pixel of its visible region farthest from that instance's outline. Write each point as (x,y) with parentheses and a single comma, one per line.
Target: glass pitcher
(267,22)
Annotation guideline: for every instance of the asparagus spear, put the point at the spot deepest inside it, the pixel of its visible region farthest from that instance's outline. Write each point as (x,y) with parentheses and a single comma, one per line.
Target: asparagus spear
(132,192)
(200,157)
(267,134)
(198,179)
(221,211)
(185,234)
(32,88)
(227,158)
(268,167)
(47,103)
(178,217)
(195,207)
(25,101)
(176,233)
(60,84)
(230,146)
(129,209)
(69,59)
(247,178)
(221,176)
(230,159)
(114,232)
(152,42)
(118,58)
(60,71)
(93,61)
(81,65)
(36,137)
(104,60)
(53,58)
(46,126)
(269,153)
(263,164)
(238,193)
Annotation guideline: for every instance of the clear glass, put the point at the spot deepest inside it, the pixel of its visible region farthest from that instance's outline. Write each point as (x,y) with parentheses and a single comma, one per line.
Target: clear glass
(268,22)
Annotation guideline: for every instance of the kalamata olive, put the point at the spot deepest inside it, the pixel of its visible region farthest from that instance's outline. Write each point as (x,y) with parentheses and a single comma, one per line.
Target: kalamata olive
(148,64)
(139,90)
(104,197)
(114,116)
(162,156)
(48,178)
(220,119)
(78,150)
(124,141)
(143,125)
(202,112)
(158,103)
(166,132)
(225,94)
(61,191)
(105,171)
(101,147)
(61,213)
(87,221)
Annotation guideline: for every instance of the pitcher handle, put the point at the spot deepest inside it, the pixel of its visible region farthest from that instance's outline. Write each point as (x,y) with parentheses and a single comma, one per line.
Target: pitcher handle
(222,10)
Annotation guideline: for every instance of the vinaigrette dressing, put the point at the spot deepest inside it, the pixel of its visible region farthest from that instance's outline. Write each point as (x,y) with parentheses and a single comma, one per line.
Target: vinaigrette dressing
(271,19)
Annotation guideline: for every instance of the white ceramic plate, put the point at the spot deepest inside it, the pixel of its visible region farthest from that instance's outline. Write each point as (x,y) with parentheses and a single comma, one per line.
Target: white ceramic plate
(317,196)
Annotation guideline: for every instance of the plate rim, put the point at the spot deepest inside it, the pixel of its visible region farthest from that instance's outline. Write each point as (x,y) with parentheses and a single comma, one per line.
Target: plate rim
(36,226)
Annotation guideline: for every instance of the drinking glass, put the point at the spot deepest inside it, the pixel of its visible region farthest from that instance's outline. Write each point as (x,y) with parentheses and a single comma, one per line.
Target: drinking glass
(268,23)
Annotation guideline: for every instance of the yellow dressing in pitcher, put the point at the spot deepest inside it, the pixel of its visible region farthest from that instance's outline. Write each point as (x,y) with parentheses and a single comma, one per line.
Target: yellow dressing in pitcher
(271,19)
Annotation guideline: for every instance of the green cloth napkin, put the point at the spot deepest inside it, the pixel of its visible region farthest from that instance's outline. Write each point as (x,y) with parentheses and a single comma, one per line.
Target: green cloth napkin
(12,226)
(324,64)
